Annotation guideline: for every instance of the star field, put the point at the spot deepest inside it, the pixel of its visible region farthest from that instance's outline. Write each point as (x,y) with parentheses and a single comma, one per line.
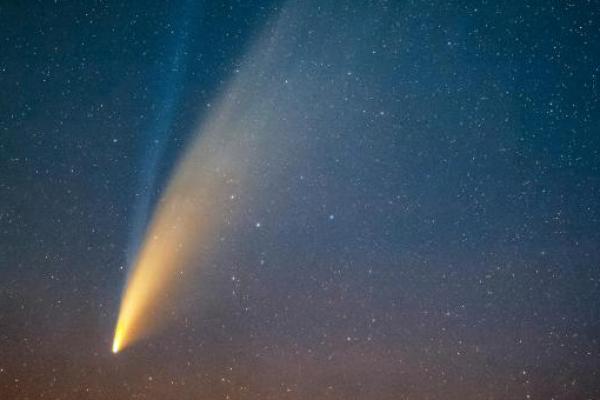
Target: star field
(405,198)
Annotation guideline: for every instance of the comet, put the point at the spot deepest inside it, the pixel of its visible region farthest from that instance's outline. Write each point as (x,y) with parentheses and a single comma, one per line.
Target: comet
(258,136)
(233,147)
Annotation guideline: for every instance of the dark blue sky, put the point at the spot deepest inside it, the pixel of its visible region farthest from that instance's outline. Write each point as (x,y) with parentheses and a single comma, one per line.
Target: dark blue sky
(429,217)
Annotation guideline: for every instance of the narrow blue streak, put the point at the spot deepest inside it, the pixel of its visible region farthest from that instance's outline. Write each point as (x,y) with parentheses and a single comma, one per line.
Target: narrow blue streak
(170,90)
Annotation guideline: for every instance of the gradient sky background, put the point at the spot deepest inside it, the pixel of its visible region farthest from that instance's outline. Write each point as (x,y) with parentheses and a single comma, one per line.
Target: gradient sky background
(428,228)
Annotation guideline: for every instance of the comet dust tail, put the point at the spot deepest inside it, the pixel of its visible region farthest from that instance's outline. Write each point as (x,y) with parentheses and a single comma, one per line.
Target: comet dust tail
(254,128)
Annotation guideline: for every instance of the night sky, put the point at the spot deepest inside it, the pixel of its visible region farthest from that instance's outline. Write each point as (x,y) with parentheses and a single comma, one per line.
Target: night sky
(414,211)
